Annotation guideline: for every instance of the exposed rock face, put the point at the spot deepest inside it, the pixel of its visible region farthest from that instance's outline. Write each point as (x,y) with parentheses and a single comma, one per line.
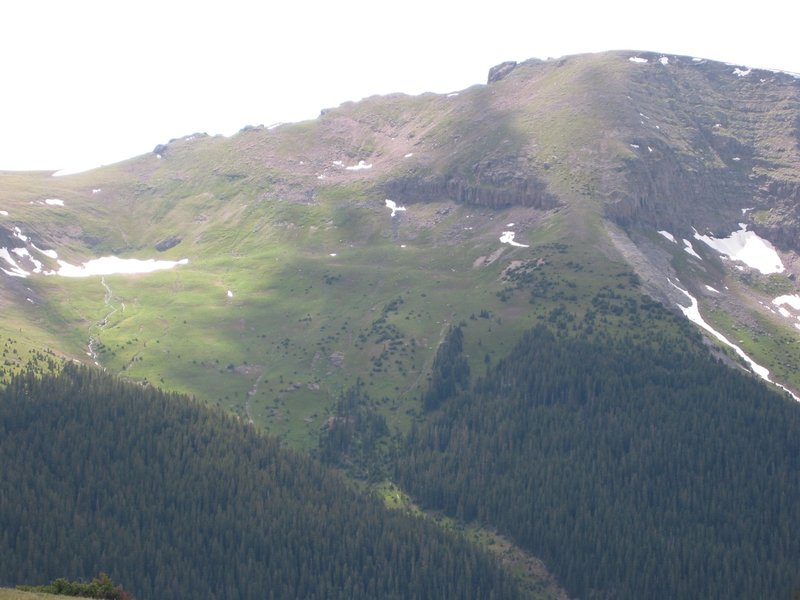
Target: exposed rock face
(497,72)
(7,238)
(528,193)
(707,140)
(168,243)
(665,190)
(491,182)
(669,193)
(781,225)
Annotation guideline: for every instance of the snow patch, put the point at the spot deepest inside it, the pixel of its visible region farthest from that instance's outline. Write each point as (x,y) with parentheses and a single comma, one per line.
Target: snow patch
(96,190)
(409,155)
(23,253)
(664,60)
(4,213)
(113,265)
(687,246)
(16,270)
(711,289)
(692,312)
(508,238)
(54,202)
(669,236)
(48,253)
(741,72)
(452,95)
(230,294)
(747,247)
(792,300)
(360,166)
(332,254)
(391,204)
(637,59)
(63,172)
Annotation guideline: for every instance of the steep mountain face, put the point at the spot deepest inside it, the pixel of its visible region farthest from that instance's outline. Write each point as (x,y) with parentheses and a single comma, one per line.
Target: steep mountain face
(268,272)
(708,139)
(284,273)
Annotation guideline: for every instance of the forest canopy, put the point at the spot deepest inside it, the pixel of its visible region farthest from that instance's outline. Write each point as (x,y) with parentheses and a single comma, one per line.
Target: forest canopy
(174,500)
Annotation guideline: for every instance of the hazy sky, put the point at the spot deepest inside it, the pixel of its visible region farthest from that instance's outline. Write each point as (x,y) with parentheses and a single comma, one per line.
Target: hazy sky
(86,83)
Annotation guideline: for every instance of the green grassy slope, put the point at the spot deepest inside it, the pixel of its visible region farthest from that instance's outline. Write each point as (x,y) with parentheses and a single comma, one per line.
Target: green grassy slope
(11,594)
(299,282)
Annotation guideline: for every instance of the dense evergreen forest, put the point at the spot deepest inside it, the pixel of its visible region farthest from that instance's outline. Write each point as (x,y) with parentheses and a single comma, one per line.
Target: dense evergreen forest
(176,501)
(356,437)
(632,463)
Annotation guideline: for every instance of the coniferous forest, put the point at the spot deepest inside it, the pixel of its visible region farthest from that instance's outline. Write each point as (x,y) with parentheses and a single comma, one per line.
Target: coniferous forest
(634,466)
(174,500)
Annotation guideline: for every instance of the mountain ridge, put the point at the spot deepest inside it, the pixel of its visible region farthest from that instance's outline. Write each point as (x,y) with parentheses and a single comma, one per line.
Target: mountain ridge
(410,287)
(603,148)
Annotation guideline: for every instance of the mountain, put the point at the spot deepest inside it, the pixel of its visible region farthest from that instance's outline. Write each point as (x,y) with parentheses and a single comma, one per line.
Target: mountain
(634,204)
(299,279)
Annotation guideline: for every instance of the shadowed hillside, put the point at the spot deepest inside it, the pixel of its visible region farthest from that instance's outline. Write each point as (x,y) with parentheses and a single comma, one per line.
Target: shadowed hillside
(176,501)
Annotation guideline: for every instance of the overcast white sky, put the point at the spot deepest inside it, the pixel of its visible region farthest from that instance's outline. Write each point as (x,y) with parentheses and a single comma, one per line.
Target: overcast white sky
(89,82)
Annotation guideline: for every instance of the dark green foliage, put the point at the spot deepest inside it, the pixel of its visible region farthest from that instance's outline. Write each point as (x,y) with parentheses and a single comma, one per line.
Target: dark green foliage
(100,587)
(177,501)
(355,435)
(450,372)
(634,466)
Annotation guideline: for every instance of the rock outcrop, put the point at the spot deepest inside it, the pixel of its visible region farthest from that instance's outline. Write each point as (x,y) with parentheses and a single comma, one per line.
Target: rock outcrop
(497,72)
(493,182)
